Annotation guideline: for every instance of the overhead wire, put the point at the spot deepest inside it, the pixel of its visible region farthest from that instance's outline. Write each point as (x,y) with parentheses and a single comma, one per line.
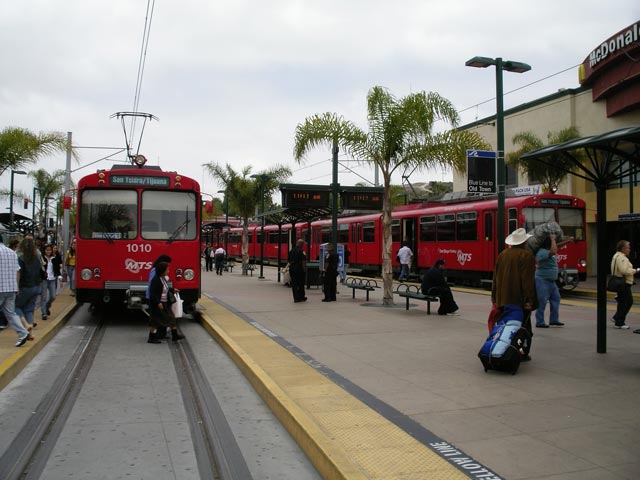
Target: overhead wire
(141,64)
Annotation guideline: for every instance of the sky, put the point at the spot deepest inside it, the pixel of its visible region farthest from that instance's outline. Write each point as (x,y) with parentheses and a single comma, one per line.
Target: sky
(229,81)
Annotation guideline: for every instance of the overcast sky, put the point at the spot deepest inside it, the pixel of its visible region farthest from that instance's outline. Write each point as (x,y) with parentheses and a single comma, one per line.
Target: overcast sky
(230,80)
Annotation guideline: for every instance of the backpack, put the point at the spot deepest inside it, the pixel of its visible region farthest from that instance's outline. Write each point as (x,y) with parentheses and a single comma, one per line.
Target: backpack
(507,343)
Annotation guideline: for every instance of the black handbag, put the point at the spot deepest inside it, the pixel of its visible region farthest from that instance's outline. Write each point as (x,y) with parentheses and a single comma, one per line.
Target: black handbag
(171,297)
(615,283)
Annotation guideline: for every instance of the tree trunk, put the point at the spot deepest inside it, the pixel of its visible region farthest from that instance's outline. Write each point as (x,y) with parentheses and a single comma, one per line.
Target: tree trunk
(387,268)
(245,245)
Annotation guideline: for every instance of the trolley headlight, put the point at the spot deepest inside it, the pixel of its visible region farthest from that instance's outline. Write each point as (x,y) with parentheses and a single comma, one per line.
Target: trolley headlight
(189,274)
(86,274)
(96,273)
(178,274)
(583,263)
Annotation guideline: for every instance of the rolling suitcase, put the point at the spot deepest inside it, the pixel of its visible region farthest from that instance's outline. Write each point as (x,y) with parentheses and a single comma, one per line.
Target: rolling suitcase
(507,343)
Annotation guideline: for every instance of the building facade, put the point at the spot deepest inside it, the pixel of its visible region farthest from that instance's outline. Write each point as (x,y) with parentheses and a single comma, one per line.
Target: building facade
(608,99)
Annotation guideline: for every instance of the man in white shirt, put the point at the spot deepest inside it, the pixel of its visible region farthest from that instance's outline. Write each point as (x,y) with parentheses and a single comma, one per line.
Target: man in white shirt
(404,257)
(218,256)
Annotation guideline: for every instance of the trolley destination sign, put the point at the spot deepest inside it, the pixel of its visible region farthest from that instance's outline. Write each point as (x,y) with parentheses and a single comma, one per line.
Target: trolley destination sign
(138,181)
(481,171)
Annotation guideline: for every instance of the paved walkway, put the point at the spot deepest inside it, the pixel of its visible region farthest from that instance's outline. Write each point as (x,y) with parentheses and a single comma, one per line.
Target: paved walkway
(382,392)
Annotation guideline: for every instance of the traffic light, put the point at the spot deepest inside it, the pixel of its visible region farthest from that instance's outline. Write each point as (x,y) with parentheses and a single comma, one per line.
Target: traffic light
(25,205)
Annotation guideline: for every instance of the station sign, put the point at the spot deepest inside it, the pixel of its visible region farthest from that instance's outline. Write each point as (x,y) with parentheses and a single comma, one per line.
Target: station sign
(361,198)
(481,171)
(628,217)
(305,196)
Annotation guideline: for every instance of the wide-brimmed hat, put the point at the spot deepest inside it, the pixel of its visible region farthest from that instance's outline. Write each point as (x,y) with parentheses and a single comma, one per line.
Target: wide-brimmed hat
(517,237)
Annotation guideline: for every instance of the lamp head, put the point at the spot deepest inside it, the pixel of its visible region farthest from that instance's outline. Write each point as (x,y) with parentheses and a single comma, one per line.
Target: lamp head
(480,62)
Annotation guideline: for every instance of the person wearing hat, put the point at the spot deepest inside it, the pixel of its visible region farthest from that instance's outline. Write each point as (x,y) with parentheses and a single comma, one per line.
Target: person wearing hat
(434,283)
(514,276)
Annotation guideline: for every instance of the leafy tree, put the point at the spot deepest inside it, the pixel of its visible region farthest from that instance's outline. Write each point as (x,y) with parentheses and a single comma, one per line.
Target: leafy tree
(400,136)
(549,173)
(243,193)
(48,185)
(20,147)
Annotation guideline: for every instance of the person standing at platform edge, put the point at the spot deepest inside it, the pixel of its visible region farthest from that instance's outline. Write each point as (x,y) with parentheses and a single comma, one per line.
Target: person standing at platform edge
(622,267)
(546,286)
(434,283)
(9,278)
(404,257)
(331,261)
(514,277)
(297,268)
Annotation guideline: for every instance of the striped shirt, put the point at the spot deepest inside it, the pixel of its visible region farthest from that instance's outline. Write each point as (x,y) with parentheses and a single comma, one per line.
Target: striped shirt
(8,268)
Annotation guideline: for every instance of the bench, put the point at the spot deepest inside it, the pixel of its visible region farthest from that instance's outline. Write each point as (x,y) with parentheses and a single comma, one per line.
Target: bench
(413,292)
(364,284)
(251,267)
(228,266)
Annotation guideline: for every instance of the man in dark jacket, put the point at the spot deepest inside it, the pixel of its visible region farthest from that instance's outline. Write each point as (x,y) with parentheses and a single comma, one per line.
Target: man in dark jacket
(434,283)
(331,261)
(297,269)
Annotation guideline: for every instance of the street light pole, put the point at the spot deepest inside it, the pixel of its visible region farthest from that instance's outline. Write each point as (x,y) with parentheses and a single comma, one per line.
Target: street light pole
(226,221)
(13,172)
(510,66)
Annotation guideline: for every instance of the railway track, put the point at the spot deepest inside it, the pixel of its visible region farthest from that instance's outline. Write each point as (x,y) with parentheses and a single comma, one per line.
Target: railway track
(214,445)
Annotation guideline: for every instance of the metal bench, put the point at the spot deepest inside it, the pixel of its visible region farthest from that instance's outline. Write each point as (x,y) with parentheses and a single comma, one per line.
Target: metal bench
(413,292)
(228,266)
(364,284)
(251,267)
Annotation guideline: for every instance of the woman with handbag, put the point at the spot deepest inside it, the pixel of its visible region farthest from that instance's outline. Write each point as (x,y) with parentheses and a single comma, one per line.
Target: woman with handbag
(621,267)
(160,295)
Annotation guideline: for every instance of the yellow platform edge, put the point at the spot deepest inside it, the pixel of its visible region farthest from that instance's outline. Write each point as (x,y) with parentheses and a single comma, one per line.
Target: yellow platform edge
(331,459)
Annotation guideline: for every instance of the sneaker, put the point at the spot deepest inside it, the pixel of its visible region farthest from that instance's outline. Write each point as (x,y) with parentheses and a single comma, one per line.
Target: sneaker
(22,340)
(544,325)
(2,327)
(637,330)
(559,324)
(44,317)
(453,314)
(623,327)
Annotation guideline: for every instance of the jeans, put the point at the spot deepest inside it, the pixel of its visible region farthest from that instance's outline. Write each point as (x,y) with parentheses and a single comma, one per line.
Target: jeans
(26,302)
(547,292)
(404,271)
(8,304)
(48,286)
(71,273)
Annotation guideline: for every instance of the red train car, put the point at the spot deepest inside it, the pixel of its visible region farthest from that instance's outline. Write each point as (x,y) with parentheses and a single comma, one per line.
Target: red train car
(461,232)
(126,218)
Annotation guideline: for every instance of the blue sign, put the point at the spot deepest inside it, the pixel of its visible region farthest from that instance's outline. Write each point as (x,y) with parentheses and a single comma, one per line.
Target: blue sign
(481,171)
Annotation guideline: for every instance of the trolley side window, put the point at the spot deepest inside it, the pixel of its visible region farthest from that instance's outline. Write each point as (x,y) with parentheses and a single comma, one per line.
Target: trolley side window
(467,226)
(368,232)
(570,219)
(428,228)
(343,232)
(537,215)
(446,230)
(168,215)
(395,231)
(109,214)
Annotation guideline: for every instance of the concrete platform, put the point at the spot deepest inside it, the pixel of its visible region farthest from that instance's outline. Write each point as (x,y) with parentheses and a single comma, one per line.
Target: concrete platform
(380,392)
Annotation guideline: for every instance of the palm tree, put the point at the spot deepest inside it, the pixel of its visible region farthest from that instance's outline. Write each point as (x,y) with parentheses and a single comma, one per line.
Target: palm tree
(20,147)
(551,173)
(400,136)
(48,185)
(243,193)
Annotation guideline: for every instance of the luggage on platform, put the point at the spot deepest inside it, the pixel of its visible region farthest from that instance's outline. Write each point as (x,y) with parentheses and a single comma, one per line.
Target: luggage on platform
(507,343)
